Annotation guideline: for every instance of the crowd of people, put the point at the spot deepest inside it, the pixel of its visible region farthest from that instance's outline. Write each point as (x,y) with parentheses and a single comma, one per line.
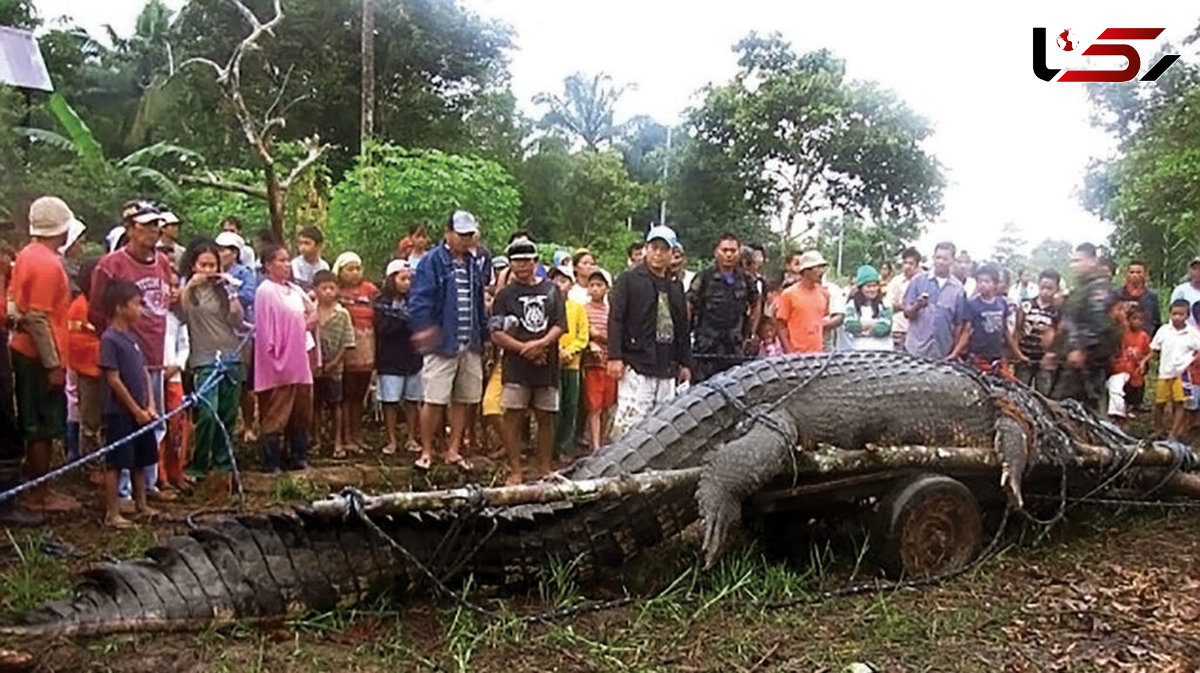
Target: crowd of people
(552,356)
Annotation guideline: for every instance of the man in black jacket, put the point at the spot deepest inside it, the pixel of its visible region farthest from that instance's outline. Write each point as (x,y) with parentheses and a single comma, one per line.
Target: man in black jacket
(724,310)
(649,339)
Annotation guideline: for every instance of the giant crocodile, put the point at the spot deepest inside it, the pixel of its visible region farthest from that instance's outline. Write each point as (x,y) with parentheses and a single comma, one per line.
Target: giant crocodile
(268,566)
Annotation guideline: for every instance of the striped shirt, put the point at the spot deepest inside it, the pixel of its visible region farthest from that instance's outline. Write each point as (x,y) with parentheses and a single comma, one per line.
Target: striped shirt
(466,317)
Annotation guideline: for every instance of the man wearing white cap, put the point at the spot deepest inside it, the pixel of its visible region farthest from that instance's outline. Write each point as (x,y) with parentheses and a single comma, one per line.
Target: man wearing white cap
(803,311)
(449,326)
(649,338)
(41,294)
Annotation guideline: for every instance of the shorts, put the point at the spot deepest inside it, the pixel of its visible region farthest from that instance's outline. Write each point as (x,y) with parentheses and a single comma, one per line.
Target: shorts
(393,388)
(355,385)
(520,396)
(142,451)
(327,391)
(458,379)
(41,411)
(491,396)
(1169,390)
(599,389)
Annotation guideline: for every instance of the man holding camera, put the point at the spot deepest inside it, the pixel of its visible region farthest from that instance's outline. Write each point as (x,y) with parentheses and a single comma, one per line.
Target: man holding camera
(935,305)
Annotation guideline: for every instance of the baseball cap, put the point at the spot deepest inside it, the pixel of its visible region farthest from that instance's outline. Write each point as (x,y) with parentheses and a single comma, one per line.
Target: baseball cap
(394,266)
(50,216)
(564,270)
(463,222)
(1194,262)
(499,262)
(663,233)
(167,217)
(521,249)
(601,274)
(140,212)
(228,239)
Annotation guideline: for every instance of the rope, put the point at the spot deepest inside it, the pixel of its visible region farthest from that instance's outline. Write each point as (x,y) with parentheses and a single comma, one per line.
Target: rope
(190,400)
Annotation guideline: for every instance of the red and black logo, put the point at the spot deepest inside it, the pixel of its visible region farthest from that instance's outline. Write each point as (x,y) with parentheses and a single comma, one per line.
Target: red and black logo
(1105,45)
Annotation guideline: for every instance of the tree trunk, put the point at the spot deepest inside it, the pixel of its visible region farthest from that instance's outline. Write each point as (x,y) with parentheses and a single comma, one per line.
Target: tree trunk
(368,72)
(275,199)
(507,496)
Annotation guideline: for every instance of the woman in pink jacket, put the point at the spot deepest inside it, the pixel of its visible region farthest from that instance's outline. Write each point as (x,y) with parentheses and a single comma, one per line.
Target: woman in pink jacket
(284,314)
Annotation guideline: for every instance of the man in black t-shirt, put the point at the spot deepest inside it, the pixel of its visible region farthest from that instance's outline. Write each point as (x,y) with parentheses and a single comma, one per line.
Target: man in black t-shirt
(528,317)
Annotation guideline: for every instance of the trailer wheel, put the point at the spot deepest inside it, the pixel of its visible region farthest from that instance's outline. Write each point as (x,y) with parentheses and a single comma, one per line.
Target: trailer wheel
(928,523)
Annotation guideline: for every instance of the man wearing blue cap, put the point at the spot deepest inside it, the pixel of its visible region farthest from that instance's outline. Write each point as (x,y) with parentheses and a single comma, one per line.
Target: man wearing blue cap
(649,338)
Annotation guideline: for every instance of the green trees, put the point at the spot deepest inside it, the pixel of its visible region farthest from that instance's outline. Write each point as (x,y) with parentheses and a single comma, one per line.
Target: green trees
(584,112)
(1150,190)
(802,139)
(391,188)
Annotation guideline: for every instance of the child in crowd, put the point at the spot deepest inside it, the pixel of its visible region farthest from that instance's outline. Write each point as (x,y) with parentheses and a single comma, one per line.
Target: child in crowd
(335,334)
(172,453)
(83,368)
(570,351)
(1128,373)
(127,403)
(311,242)
(769,342)
(213,315)
(1177,344)
(357,295)
(396,358)
(1037,323)
(986,336)
(599,389)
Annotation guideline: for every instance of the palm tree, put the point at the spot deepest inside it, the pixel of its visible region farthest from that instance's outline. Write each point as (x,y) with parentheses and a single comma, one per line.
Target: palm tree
(585,111)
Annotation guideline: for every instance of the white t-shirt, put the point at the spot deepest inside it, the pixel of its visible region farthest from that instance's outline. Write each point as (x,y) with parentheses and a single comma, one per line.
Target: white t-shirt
(1177,349)
(1192,294)
(303,272)
(896,288)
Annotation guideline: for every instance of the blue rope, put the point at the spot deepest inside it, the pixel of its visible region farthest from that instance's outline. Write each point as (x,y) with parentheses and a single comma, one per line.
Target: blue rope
(223,363)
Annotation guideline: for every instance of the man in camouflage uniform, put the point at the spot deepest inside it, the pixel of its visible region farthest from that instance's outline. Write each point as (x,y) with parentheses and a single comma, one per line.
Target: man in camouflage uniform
(1089,338)
(724,305)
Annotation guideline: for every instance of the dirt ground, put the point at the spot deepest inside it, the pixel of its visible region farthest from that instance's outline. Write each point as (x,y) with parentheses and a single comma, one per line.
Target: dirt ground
(1106,591)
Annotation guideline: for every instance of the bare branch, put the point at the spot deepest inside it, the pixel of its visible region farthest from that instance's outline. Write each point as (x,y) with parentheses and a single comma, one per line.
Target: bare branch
(218,70)
(316,150)
(278,97)
(210,179)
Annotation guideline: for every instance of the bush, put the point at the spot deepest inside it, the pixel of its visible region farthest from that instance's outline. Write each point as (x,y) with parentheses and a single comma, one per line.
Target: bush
(390,188)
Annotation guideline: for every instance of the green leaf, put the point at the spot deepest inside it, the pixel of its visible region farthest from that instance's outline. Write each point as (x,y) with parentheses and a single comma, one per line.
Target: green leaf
(81,136)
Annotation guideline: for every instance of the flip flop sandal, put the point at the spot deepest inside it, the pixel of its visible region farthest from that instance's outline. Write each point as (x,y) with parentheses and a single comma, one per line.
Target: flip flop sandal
(123,524)
(422,464)
(462,464)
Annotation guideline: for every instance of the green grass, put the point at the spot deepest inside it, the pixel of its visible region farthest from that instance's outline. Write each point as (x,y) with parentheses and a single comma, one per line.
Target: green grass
(34,579)
(291,488)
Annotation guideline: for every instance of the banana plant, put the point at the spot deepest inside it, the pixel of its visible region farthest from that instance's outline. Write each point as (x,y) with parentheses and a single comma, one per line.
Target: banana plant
(138,166)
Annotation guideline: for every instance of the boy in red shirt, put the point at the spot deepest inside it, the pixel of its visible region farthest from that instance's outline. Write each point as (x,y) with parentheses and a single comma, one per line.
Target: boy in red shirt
(1128,368)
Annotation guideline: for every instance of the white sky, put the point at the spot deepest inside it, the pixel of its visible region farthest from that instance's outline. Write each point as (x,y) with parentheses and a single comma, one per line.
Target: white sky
(1014,148)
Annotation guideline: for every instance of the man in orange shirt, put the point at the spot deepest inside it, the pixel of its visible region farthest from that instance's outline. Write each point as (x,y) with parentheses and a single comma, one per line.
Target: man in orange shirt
(803,307)
(41,294)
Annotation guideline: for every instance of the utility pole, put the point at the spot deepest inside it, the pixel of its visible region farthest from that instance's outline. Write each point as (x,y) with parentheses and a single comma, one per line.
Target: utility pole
(367,123)
(662,211)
